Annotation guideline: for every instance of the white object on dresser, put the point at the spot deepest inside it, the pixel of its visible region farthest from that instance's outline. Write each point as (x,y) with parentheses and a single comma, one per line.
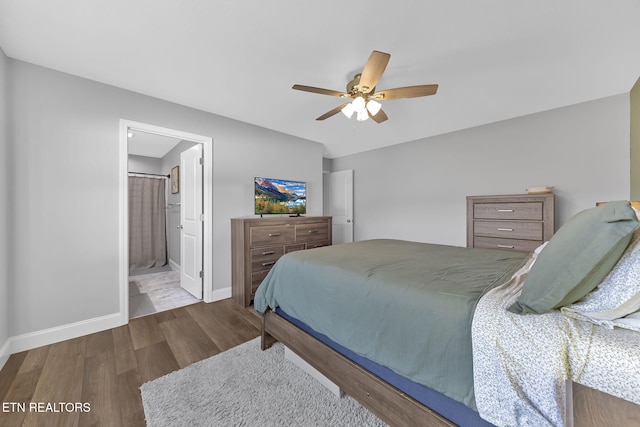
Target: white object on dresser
(540,190)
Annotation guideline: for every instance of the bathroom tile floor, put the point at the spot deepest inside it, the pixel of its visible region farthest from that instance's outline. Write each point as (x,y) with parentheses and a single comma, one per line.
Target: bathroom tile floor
(156,292)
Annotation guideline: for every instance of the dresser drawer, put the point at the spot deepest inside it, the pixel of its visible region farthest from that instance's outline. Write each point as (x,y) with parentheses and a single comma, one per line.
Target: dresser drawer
(293,248)
(312,232)
(509,229)
(272,234)
(524,210)
(256,279)
(506,244)
(312,245)
(264,258)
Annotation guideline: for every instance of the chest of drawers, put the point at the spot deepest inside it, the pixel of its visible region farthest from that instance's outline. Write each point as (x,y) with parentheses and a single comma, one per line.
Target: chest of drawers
(518,222)
(257,243)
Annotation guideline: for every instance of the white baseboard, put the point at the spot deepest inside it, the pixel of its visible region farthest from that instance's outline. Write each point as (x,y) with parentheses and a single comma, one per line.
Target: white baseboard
(61,333)
(44,337)
(220,294)
(5,352)
(174,265)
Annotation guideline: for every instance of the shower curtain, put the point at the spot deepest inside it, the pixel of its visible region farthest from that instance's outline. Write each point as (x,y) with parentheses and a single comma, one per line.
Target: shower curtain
(147,225)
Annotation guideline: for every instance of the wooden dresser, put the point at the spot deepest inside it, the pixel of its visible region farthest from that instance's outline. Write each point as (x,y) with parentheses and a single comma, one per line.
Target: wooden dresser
(519,222)
(257,243)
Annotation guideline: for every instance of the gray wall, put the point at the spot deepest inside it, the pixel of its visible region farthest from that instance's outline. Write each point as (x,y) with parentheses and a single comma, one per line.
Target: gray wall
(416,191)
(61,186)
(5,202)
(65,153)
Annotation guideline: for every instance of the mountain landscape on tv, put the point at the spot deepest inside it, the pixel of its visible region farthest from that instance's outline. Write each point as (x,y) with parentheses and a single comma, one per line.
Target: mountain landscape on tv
(277,196)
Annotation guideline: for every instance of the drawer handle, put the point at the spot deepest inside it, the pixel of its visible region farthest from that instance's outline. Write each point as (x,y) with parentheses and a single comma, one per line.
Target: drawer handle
(505,229)
(318,246)
(274,234)
(267,264)
(313,231)
(505,210)
(268,253)
(506,246)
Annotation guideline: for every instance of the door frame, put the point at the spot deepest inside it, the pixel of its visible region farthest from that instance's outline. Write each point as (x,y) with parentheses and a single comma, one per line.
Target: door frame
(207,203)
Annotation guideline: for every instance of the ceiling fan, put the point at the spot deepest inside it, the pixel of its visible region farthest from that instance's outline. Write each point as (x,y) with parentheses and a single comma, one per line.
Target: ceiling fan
(362,90)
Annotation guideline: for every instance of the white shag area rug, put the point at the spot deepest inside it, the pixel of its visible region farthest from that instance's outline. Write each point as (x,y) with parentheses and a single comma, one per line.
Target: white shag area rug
(245,386)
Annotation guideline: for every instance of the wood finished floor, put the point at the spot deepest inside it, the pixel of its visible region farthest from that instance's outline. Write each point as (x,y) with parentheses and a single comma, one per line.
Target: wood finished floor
(107,368)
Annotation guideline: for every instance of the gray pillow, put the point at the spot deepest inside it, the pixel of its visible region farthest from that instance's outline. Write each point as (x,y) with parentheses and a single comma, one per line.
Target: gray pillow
(577,258)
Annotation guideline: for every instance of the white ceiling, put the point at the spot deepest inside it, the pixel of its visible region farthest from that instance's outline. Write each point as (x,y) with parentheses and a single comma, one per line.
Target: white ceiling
(150,145)
(493,59)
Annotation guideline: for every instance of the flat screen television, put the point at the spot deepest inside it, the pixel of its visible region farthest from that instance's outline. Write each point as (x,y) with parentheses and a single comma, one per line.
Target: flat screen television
(279,196)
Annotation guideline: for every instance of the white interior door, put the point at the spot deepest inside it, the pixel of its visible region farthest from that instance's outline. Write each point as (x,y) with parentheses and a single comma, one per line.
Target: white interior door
(191,220)
(338,188)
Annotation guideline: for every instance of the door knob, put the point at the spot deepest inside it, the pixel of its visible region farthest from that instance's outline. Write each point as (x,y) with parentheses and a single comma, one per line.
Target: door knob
(179,227)
(348,220)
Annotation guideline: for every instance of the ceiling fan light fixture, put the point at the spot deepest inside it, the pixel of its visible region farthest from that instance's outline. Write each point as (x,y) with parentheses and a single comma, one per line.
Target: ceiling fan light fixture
(348,110)
(362,92)
(359,104)
(373,107)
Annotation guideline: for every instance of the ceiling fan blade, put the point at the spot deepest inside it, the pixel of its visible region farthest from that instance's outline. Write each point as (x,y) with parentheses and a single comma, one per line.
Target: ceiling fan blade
(319,90)
(332,112)
(380,116)
(406,92)
(373,70)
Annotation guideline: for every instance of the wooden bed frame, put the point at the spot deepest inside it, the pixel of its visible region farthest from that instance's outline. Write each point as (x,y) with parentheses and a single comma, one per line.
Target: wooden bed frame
(387,402)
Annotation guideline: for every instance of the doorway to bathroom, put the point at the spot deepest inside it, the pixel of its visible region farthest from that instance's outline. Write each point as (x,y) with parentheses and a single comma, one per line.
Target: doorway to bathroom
(165,219)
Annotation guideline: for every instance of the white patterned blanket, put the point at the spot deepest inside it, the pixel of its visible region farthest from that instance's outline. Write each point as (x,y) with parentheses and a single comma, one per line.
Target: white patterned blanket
(521,362)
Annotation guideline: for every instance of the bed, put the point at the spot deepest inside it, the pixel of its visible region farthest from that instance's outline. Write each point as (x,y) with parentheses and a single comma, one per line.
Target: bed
(394,325)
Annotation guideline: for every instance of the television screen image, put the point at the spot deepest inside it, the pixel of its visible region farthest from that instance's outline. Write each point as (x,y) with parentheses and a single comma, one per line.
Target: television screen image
(279,196)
